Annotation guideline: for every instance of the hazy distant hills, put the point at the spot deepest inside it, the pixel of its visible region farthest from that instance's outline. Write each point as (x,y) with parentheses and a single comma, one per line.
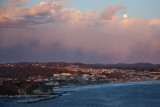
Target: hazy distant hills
(109,66)
(63,64)
(145,65)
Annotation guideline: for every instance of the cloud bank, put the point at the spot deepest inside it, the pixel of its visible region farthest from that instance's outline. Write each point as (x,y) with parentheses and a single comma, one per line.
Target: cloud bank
(101,34)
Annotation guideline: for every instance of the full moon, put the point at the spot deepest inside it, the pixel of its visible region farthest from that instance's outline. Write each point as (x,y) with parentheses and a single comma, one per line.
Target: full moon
(125,16)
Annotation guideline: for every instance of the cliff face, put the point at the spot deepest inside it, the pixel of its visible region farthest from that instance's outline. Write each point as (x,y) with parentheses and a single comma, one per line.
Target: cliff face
(40,89)
(14,87)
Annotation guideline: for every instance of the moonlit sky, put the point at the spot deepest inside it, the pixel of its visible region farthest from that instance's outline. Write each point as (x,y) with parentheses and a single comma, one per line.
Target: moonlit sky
(87,31)
(135,8)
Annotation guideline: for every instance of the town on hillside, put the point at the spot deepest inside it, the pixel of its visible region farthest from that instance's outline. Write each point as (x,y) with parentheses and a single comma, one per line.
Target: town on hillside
(41,78)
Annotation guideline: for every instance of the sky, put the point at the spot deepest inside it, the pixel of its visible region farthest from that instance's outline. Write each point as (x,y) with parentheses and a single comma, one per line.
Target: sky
(87,31)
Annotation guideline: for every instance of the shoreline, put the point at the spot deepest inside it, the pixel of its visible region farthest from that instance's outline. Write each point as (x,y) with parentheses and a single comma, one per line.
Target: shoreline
(101,83)
(57,94)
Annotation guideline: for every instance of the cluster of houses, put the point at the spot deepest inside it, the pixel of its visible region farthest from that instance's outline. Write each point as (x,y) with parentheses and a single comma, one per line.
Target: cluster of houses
(89,75)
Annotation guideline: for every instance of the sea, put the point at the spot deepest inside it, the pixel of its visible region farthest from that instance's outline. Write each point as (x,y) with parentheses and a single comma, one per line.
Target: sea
(129,94)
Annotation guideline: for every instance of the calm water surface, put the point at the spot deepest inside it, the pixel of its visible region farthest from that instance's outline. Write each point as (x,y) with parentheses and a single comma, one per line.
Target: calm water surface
(131,94)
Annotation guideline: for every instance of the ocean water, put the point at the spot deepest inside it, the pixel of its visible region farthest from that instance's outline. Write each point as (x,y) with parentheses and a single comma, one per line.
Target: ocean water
(130,94)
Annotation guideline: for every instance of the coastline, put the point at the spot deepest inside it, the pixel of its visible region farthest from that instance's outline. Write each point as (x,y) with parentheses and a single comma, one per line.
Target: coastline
(58,92)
